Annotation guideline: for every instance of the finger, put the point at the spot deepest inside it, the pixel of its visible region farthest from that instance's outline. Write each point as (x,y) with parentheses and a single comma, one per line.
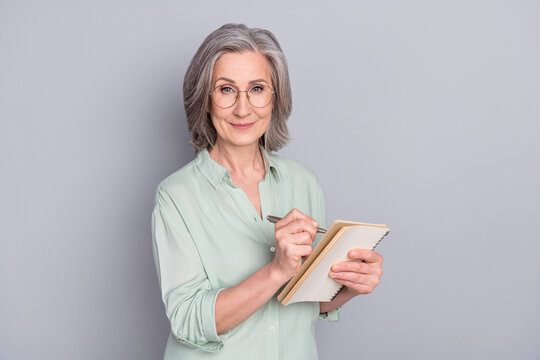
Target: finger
(303,250)
(295,214)
(359,267)
(303,238)
(355,278)
(300,225)
(353,266)
(368,256)
(359,288)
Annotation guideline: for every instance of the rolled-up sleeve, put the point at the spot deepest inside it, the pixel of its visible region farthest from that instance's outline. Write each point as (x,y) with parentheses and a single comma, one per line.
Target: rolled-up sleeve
(186,291)
(332,315)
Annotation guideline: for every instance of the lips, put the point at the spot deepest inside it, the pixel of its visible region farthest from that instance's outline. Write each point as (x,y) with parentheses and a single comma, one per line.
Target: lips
(242,126)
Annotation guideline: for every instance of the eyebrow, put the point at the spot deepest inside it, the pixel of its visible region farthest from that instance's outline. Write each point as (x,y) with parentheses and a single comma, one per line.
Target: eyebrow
(234,82)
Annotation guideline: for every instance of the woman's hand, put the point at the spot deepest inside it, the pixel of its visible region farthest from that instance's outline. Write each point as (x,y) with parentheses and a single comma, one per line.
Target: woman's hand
(295,234)
(362,275)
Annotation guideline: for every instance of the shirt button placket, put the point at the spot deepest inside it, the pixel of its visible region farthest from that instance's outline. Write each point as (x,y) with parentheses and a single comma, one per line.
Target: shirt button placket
(273,330)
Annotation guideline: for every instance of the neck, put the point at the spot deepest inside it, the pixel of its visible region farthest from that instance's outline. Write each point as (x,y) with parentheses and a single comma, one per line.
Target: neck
(237,159)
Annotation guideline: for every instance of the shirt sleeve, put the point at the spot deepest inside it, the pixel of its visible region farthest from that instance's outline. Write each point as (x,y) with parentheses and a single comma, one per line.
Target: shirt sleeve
(186,291)
(332,315)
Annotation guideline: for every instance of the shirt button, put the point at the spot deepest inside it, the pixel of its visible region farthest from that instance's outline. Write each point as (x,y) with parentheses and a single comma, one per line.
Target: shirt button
(272,328)
(272,249)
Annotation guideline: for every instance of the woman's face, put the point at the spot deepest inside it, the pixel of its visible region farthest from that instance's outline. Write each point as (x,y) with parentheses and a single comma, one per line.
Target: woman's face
(241,124)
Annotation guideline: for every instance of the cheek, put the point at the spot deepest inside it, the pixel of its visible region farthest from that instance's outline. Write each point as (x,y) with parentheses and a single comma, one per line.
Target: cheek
(218,115)
(265,114)
(265,119)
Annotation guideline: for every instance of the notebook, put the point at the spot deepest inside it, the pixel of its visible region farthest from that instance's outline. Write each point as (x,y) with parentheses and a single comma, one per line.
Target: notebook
(312,282)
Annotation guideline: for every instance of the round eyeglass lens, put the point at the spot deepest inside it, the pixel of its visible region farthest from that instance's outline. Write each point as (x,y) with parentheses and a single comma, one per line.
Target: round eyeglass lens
(225,96)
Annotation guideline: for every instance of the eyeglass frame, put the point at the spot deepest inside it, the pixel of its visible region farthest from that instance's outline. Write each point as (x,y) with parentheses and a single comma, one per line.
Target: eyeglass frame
(238,94)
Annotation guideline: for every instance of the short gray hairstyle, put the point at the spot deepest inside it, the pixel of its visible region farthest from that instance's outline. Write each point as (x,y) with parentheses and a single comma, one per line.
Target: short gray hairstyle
(236,38)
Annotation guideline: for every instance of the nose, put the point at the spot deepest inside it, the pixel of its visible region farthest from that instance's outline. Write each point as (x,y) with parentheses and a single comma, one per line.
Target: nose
(242,107)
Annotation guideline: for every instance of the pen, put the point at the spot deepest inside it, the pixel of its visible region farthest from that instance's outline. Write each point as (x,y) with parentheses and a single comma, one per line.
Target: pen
(275,219)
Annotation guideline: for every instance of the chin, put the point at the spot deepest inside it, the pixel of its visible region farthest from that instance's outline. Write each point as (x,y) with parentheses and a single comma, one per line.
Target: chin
(244,141)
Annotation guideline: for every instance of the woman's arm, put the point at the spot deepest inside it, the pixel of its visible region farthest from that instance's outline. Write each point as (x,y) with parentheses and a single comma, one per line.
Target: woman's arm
(341,298)
(187,294)
(237,303)
(295,234)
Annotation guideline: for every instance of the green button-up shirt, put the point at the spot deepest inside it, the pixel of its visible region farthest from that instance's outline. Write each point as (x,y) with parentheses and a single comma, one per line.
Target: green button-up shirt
(207,236)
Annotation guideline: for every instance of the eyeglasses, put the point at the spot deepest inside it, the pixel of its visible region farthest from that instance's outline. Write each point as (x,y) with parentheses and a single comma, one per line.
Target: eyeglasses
(225,96)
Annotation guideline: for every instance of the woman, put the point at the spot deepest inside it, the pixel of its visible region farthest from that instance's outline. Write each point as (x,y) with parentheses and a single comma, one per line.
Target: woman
(220,263)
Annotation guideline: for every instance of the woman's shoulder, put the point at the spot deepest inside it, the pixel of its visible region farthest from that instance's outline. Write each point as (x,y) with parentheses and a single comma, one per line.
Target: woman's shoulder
(179,180)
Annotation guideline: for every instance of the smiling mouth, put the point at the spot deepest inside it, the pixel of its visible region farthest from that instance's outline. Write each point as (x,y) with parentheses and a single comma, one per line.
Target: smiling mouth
(242,126)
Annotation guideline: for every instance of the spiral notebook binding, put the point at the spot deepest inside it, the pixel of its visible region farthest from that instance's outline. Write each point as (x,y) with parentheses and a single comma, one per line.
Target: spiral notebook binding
(382,237)
(337,292)
(373,248)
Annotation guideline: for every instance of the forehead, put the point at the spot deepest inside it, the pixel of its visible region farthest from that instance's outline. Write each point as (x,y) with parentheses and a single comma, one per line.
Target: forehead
(242,67)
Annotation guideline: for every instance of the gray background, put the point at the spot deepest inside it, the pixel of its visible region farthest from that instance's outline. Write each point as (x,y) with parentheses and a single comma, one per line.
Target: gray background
(419,114)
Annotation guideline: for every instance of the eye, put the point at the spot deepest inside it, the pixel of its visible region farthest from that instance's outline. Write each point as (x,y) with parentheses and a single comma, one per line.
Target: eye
(257,89)
(226,89)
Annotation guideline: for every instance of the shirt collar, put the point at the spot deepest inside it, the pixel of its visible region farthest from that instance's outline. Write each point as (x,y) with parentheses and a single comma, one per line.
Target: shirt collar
(215,173)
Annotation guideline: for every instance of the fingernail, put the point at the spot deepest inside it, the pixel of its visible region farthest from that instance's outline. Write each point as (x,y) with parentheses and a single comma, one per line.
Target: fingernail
(332,274)
(335,267)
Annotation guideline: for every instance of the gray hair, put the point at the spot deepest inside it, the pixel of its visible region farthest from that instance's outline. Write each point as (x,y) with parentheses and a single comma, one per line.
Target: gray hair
(235,38)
